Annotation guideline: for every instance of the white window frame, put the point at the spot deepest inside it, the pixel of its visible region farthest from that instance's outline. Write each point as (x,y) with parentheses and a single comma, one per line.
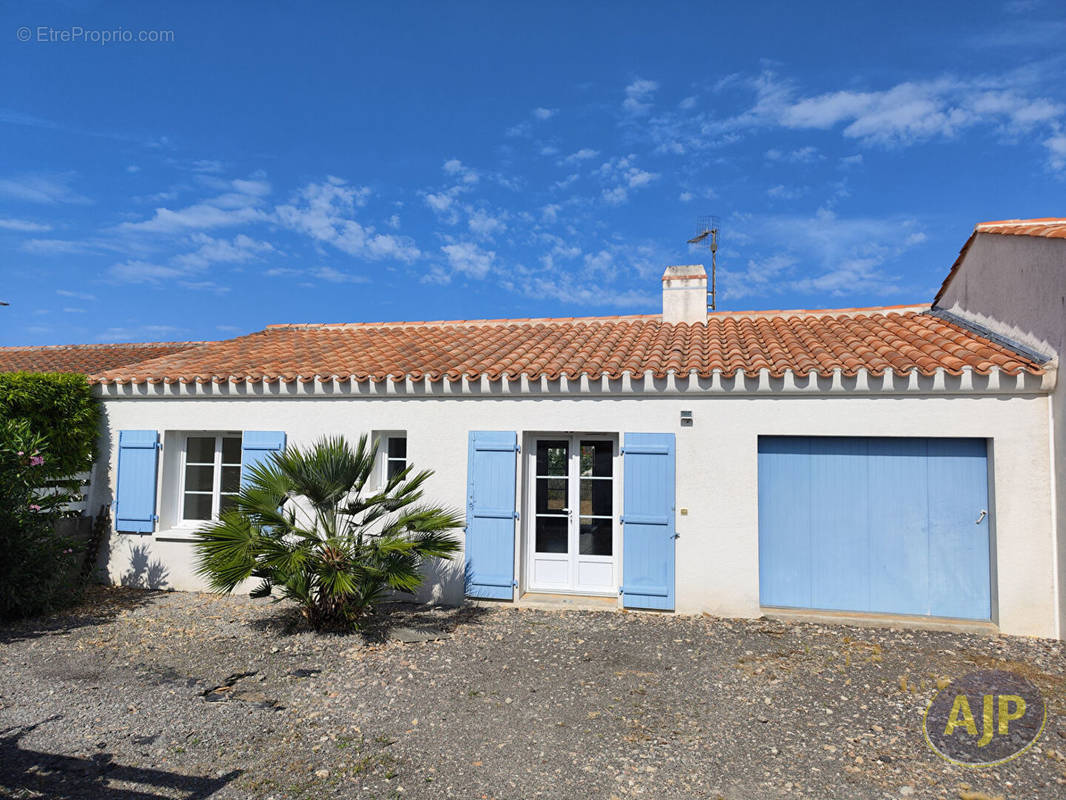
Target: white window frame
(381,468)
(216,482)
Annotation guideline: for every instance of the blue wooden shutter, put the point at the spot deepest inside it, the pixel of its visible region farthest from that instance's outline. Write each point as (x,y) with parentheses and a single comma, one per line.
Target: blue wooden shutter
(648,521)
(256,447)
(135,492)
(490,514)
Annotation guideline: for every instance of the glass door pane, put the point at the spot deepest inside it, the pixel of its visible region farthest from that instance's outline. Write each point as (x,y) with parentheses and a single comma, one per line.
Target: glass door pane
(596,498)
(551,502)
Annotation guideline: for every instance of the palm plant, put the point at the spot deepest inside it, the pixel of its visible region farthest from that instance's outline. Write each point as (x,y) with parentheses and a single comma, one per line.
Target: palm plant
(307,525)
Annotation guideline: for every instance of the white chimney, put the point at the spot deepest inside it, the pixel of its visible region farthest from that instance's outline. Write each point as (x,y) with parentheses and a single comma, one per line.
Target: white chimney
(685,294)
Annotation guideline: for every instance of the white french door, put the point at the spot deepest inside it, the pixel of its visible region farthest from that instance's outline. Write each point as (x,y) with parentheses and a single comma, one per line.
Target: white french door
(572,532)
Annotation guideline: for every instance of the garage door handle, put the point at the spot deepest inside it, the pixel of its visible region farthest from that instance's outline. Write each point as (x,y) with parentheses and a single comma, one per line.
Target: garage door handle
(981,516)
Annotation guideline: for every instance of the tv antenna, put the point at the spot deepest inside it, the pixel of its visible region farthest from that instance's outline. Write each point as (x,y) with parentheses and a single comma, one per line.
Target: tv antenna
(707,233)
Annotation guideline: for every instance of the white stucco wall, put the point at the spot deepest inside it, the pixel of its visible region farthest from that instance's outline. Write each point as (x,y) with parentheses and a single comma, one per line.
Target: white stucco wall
(1016,287)
(717,552)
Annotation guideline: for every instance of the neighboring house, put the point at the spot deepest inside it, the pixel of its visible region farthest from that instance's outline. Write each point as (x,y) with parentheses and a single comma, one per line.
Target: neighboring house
(85,358)
(1010,281)
(885,461)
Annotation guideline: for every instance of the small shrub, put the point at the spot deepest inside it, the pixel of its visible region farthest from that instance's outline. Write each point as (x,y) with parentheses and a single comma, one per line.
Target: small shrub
(307,524)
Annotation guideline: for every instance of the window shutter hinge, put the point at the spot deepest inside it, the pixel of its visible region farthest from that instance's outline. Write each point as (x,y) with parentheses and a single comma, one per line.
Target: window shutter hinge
(518,448)
(158,445)
(155,518)
(516,515)
(621,591)
(514,584)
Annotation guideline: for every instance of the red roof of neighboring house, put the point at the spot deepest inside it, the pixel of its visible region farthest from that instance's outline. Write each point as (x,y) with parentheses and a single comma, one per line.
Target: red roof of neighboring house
(84,358)
(1047,227)
(878,340)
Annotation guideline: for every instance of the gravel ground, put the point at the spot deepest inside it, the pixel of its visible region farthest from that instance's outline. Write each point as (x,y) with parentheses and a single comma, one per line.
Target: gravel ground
(146,695)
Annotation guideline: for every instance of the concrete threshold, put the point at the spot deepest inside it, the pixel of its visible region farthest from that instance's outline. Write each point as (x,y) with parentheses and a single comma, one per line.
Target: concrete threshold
(867,620)
(579,602)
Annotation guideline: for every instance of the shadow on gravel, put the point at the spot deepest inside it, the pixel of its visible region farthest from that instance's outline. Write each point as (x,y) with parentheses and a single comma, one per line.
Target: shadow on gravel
(99,606)
(432,622)
(49,775)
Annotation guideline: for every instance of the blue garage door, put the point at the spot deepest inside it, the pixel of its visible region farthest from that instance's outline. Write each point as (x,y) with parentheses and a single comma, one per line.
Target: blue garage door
(887,525)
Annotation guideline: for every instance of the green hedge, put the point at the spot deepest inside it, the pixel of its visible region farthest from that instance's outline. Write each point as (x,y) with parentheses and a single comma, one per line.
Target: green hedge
(60,408)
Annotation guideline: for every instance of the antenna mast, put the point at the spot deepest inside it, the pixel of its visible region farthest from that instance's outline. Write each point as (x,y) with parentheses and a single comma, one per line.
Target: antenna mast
(707,231)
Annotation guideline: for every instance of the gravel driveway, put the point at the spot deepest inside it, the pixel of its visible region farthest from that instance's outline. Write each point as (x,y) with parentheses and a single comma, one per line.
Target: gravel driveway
(144,695)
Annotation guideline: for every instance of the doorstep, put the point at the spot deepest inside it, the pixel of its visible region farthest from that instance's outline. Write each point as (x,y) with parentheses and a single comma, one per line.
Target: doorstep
(868,620)
(580,602)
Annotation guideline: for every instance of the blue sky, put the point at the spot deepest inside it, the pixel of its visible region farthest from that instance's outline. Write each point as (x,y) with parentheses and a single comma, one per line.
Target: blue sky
(355,162)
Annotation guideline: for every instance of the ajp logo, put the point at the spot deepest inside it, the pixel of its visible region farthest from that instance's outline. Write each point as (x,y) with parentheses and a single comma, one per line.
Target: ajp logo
(984,718)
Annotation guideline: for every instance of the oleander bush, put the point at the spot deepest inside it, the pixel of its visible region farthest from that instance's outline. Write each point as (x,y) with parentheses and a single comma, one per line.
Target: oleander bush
(62,410)
(39,569)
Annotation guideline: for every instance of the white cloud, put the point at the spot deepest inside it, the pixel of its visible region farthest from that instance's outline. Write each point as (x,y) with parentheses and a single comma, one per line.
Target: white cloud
(639,96)
(782,192)
(545,113)
(469,259)
(324,211)
(908,112)
(337,276)
(460,171)
(485,225)
(23,225)
(802,155)
(687,103)
(239,204)
(622,175)
(239,249)
(550,212)
(138,333)
(897,115)
(685,197)
(519,130)
(206,165)
(49,247)
(565,182)
(1056,146)
(144,272)
(48,189)
(75,295)
(441,202)
(583,154)
(820,255)
(200,216)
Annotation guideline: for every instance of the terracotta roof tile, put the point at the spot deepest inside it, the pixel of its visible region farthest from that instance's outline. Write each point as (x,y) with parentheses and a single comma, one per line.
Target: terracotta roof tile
(1048,227)
(800,342)
(85,358)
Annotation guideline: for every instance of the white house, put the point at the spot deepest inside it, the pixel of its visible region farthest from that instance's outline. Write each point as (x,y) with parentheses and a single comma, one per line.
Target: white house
(885,461)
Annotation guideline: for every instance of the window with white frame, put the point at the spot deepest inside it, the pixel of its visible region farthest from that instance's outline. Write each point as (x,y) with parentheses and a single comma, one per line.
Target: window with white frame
(210,475)
(392,454)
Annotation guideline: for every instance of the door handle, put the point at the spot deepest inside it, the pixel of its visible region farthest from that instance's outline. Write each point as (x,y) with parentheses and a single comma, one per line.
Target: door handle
(981,516)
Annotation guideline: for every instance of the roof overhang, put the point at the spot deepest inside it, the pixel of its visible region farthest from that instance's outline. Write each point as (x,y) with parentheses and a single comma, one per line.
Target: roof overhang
(863,382)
